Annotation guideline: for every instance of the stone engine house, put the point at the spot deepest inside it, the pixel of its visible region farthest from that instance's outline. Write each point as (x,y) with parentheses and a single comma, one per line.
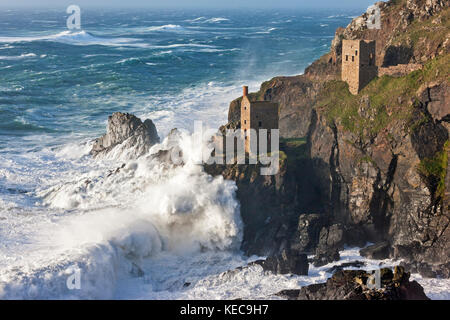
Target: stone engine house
(257,115)
(358,63)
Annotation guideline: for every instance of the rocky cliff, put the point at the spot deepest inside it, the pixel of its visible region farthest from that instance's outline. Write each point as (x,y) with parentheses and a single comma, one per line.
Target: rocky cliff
(374,166)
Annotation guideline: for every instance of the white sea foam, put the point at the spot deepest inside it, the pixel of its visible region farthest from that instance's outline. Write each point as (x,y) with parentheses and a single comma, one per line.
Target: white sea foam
(266,31)
(22,56)
(206,20)
(144,210)
(167,27)
(74,38)
(215,20)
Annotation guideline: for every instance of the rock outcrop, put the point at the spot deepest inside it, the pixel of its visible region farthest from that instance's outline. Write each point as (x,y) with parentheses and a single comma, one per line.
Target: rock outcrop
(129,132)
(378,251)
(287,261)
(354,285)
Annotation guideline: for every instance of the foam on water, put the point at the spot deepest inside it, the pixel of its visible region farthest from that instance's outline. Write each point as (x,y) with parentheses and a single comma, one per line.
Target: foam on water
(116,220)
(167,27)
(74,38)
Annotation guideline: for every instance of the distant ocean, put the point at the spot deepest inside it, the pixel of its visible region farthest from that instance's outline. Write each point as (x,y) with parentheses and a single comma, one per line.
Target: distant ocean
(145,232)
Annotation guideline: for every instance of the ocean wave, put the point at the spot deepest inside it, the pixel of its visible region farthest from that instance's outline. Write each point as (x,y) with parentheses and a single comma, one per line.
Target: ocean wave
(167,27)
(75,38)
(22,56)
(215,20)
(196,19)
(130,61)
(266,31)
(206,20)
(173,210)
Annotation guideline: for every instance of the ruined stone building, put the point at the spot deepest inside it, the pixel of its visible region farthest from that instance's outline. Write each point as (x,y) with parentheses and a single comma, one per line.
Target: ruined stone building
(358,63)
(257,115)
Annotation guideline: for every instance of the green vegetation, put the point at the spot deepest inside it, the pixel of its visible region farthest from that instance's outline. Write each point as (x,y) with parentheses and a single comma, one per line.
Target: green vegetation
(293,150)
(435,169)
(387,99)
(367,159)
(293,142)
(418,31)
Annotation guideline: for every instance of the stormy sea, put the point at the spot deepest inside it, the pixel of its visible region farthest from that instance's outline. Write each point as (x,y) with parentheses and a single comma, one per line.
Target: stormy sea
(147,232)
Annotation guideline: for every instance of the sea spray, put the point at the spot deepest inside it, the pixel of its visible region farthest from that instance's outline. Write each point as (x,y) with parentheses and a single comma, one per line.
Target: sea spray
(158,208)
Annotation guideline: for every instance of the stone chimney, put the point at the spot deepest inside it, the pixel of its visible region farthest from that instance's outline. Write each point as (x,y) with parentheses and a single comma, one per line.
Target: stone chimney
(244,91)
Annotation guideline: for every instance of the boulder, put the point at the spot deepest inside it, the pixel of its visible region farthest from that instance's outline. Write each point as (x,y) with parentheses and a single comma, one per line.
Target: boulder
(342,266)
(287,261)
(128,131)
(308,231)
(354,285)
(331,240)
(378,251)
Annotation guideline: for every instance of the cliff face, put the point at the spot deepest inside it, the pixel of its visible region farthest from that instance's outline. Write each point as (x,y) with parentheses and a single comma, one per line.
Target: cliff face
(377,162)
(270,205)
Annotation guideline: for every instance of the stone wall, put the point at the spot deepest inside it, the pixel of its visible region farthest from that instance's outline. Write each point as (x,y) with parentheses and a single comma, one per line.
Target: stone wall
(399,70)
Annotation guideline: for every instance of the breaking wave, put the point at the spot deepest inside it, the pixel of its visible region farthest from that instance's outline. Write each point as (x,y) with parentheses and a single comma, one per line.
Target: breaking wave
(206,20)
(167,27)
(74,38)
(116,220)
(22,56)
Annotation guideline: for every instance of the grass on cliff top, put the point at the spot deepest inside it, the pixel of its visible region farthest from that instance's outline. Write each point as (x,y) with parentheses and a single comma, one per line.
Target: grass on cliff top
(384,100)
(432,32)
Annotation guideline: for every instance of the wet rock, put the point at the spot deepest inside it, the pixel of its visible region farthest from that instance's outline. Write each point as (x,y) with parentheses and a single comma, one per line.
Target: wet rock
(308,231)
(331,240)
(286,262)
(342,266)
(428,270)
(355,285)
(378,251)
(128,131)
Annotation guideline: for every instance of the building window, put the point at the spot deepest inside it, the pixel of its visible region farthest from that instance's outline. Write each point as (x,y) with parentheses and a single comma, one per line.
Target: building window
(346,58)
(353,58)
(356,52)
(245,121)
(260,124)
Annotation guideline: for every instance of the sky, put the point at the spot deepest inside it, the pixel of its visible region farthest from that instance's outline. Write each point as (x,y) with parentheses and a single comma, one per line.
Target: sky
(358,4)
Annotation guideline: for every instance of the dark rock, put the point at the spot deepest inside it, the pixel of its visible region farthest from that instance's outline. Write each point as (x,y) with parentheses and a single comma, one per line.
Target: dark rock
(326,256)
(378,251)
(127,130)
(286,262)
(308,231)
(353,285)
(331,240)
(427,270)
(342,266)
